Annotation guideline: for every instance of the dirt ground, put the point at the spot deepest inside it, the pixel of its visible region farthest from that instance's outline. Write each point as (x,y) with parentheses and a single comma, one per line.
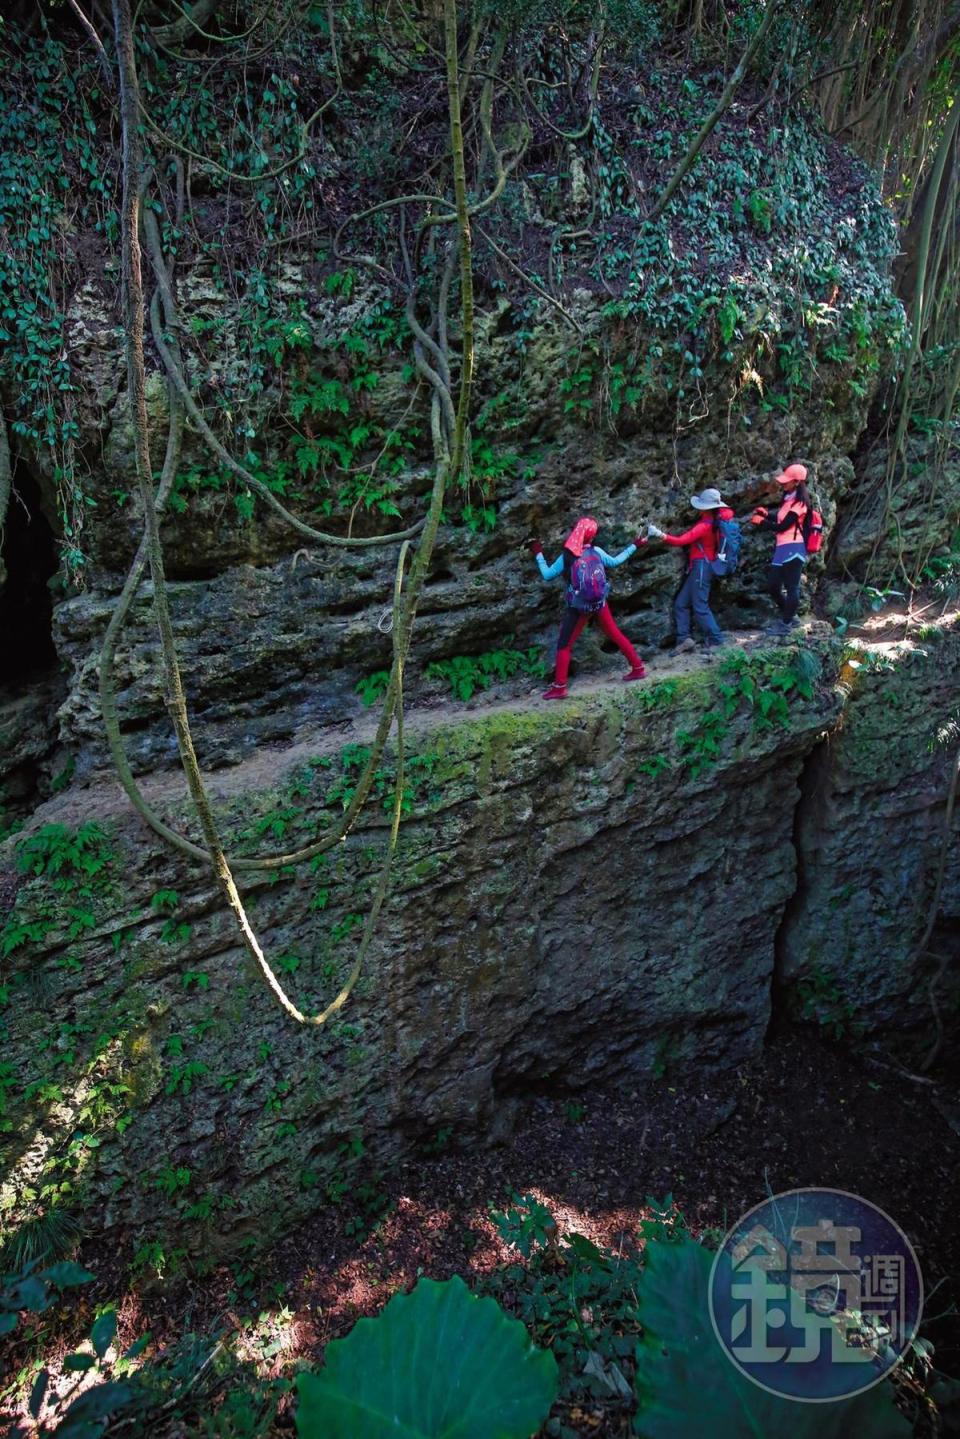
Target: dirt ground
(806,1112)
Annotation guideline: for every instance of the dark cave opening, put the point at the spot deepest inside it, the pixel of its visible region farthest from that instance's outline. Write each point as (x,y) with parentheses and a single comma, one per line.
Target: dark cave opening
(26,603)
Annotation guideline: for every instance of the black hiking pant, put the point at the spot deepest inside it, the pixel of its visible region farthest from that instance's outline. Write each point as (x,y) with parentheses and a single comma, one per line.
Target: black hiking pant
(783,585)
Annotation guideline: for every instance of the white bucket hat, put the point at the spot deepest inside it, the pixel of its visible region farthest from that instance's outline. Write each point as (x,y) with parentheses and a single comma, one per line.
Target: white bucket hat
(706,500)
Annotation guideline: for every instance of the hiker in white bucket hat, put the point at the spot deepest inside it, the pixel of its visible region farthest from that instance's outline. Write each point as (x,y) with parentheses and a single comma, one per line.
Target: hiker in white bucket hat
(693,597)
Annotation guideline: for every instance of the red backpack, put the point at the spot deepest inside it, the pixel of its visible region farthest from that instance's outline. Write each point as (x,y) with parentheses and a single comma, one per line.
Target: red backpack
(813,531)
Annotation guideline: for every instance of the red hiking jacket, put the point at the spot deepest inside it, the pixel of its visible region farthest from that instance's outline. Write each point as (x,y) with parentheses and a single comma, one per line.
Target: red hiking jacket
(702,539)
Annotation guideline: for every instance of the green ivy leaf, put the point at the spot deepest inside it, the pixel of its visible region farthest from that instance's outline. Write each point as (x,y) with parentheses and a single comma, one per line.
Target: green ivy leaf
(79,1363)
(38,1392)
(104,1332)
(84,1419)
(66,1274)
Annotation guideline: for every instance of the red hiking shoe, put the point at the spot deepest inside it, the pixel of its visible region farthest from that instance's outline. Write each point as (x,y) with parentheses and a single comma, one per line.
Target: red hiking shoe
(635,674)
(555,692)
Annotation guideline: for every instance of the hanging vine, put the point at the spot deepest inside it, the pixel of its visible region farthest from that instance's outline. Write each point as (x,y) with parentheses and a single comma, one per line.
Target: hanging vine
(449,445)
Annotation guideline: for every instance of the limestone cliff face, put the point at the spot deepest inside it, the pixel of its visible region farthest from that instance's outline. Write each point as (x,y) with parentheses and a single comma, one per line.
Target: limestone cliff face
(269,643)
(557,914)
(265,649)
(624,885)
(587,891)
(869,835)
(708,349)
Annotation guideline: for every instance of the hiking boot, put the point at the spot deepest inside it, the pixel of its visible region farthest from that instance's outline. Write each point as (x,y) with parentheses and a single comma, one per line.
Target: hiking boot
(685,647)
(779,627)
(634,674)
(555,692)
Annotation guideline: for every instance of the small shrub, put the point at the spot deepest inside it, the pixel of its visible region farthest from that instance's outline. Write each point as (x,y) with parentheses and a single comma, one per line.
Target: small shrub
(372,688)
(466,674)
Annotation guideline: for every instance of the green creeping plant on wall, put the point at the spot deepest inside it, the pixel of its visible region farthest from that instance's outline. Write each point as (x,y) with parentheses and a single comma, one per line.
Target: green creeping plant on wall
(765,684)
(373,687)
(690,320)
(823,1002)
(466,674)
(58,851)
(74,863)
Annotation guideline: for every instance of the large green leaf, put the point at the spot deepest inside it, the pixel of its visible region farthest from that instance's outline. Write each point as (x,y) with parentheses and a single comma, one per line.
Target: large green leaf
(687,1387)
(436,1364)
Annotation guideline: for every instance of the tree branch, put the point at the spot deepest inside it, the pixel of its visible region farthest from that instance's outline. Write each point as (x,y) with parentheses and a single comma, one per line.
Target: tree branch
(179,30)
(404,613)
(6,480)
(722,104)
(176,375)
(528,280)
(305,128)
(91,32)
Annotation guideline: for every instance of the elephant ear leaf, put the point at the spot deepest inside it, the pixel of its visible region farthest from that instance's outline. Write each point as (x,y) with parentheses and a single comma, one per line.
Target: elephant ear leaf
(687,1386)
(437,1363)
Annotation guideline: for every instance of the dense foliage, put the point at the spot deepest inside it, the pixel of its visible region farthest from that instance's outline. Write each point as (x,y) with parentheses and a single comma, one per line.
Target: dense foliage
(278,159)
(595,1334)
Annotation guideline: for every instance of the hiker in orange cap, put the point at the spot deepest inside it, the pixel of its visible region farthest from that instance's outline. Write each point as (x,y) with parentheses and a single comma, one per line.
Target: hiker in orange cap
(792,524)
(583,565)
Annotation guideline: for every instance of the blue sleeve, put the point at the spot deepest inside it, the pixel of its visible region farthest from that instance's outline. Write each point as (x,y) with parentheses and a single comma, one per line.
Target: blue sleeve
(611,561)
(550,572)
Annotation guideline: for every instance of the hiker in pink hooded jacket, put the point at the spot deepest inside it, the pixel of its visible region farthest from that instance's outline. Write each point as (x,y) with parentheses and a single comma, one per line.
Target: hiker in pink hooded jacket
(582,564)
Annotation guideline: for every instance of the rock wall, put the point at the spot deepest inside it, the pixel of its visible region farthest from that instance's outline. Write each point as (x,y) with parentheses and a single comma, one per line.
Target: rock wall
(869,836)
(581,892)
(270,641)
(609,888)
(623,409)
(567,905)
(613,888)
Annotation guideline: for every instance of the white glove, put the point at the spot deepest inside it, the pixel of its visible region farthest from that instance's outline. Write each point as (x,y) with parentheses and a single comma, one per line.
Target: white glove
(653,533)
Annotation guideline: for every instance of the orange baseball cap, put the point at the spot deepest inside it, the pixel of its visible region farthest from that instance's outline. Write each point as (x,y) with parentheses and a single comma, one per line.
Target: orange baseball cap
(792,475)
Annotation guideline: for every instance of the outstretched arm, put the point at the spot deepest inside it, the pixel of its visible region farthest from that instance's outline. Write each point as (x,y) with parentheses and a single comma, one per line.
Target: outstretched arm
(689,537)
(549,572)
(611,561)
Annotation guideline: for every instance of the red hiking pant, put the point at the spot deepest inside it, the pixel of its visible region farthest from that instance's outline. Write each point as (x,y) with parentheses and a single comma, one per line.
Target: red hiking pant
(571,628)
